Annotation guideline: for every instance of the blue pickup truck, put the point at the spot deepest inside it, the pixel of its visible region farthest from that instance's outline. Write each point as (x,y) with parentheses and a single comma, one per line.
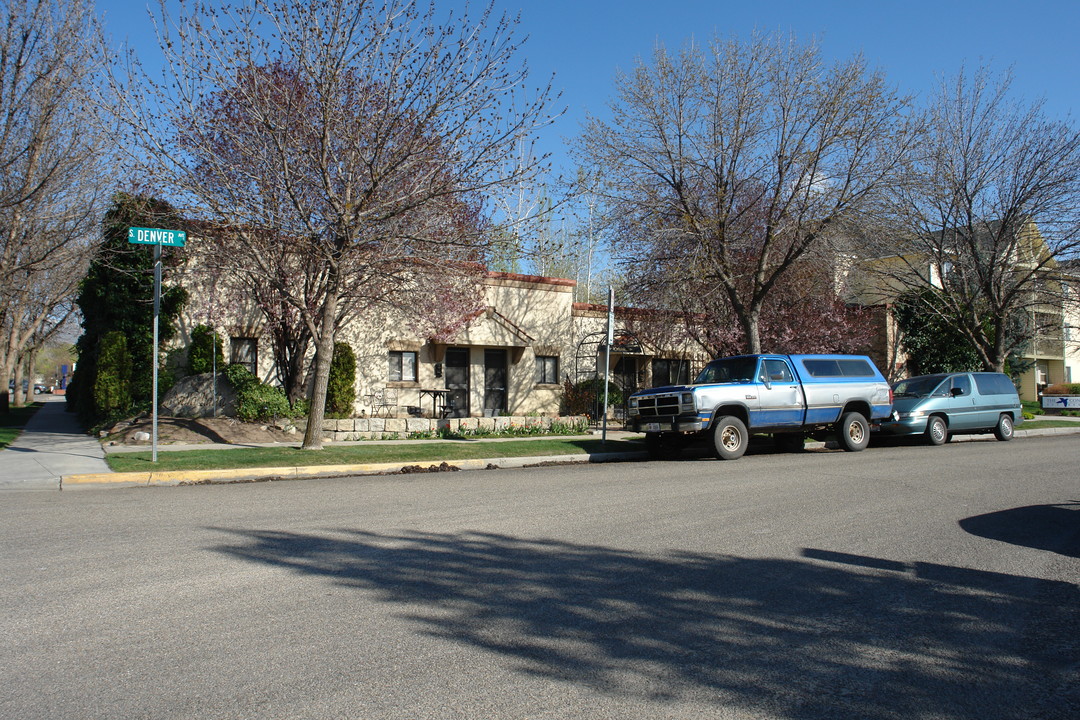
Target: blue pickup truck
(787,396)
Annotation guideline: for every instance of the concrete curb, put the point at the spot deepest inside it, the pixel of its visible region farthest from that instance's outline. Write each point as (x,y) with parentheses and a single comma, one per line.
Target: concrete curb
(197,477)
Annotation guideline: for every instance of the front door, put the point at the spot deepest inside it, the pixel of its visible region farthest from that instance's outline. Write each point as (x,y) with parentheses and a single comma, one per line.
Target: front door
(457,381)
(495,382)
(961,402)
(780,398)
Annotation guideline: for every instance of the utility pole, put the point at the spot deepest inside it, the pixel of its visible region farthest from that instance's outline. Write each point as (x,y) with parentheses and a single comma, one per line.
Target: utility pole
(607,359)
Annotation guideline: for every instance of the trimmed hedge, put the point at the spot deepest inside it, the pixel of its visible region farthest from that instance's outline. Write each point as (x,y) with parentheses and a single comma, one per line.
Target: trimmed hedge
(1062,389)
(112,382)
(341,388)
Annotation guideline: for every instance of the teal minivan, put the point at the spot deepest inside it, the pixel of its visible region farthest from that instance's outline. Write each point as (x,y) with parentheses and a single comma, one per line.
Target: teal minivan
(938,406)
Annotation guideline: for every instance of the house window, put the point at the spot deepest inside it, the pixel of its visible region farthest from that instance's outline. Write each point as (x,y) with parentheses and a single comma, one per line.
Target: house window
(670,372)
(402,366)
(245,351)
(547,370)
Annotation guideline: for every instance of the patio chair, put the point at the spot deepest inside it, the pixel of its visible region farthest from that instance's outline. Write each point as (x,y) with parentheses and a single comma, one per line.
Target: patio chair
(386,404)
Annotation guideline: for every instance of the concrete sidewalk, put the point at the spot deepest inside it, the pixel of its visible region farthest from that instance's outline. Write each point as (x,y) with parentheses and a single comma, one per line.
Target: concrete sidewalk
(53,453)
(51,446)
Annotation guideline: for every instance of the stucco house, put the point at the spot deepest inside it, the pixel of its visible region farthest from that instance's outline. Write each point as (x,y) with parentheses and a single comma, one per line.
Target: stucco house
(509,358)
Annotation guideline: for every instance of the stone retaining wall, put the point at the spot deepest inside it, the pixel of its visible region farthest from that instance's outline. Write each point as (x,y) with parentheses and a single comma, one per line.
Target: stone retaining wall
(370,428)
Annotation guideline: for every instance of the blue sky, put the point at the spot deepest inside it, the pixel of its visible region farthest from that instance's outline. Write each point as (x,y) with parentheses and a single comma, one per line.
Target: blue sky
(584,42)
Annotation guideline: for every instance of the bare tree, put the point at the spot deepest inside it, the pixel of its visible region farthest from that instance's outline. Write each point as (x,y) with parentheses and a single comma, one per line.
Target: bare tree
(732,161)
(356,133)
(53,167)
(992,210)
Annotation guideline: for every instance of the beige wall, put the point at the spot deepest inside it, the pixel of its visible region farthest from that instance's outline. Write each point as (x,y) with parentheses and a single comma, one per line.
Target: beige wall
(524,316)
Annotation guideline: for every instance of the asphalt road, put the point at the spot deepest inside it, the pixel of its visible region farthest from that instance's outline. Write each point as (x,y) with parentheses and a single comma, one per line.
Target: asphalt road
(902,582)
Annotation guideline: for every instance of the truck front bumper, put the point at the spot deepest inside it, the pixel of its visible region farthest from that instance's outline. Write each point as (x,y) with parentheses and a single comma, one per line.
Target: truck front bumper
(656,425)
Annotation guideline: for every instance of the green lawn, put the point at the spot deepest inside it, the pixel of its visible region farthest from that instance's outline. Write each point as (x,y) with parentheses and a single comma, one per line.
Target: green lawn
(360,454)
(1041,424)
(13,421)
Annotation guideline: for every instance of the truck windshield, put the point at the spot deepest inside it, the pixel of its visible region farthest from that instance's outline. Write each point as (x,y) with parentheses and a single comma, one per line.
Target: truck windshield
(737,369)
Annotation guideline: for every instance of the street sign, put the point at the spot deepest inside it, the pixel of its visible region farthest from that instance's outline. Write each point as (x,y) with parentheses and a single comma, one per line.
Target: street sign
(157,236)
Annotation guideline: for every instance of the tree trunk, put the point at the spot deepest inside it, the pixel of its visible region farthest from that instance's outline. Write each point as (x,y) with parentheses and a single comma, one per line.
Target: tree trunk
(751,321)
(324,352)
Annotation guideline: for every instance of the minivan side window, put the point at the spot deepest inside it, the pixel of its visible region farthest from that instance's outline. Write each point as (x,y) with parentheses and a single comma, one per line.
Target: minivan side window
(994,384)
(963,382)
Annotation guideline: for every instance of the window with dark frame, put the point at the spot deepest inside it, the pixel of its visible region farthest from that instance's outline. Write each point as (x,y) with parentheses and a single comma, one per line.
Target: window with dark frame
(402,366)
(547,370)
(667,371)
(245,351)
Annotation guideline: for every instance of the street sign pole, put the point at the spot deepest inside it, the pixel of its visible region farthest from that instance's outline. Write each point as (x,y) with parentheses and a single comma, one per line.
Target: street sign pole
(156,237)
(607,359)
(157,311)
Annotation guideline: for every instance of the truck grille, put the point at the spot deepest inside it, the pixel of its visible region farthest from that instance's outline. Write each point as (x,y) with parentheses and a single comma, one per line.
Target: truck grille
(658,405)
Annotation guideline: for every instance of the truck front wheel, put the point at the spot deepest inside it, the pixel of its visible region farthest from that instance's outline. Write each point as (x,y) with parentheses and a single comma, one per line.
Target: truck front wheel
(730,438)
(853,432)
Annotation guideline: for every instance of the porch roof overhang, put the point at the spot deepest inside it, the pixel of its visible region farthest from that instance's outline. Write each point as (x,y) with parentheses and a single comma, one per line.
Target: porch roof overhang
(489,328)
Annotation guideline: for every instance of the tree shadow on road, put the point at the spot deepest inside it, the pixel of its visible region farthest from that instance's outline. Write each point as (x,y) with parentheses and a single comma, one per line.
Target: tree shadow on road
(1055,528)
(828,635)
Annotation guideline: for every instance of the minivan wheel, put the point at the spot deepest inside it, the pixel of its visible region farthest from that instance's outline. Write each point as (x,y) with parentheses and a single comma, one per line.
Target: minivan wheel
(730,438)
(853,432)
(1004,429)
(937,433)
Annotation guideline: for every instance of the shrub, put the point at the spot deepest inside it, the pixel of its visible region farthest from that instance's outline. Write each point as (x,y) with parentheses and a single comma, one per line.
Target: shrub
(112,382)
(261,402)
(204,345)
(255,400)
(1062,389)
(341,387)
(301,407)
(239,377)
(585,397)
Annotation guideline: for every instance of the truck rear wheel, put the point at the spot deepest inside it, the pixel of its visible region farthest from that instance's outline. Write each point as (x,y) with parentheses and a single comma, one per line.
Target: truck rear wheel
(853,432)
(730,438)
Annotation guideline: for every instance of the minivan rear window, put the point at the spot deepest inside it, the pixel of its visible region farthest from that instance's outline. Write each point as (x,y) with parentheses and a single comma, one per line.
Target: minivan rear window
(994,384)
(842,367)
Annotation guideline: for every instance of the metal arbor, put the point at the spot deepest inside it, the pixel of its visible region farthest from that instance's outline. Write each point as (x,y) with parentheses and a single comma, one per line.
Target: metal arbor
(625,376)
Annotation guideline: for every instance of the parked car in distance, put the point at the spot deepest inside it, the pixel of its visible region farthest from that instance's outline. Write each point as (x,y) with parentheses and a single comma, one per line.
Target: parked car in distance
(939,406)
